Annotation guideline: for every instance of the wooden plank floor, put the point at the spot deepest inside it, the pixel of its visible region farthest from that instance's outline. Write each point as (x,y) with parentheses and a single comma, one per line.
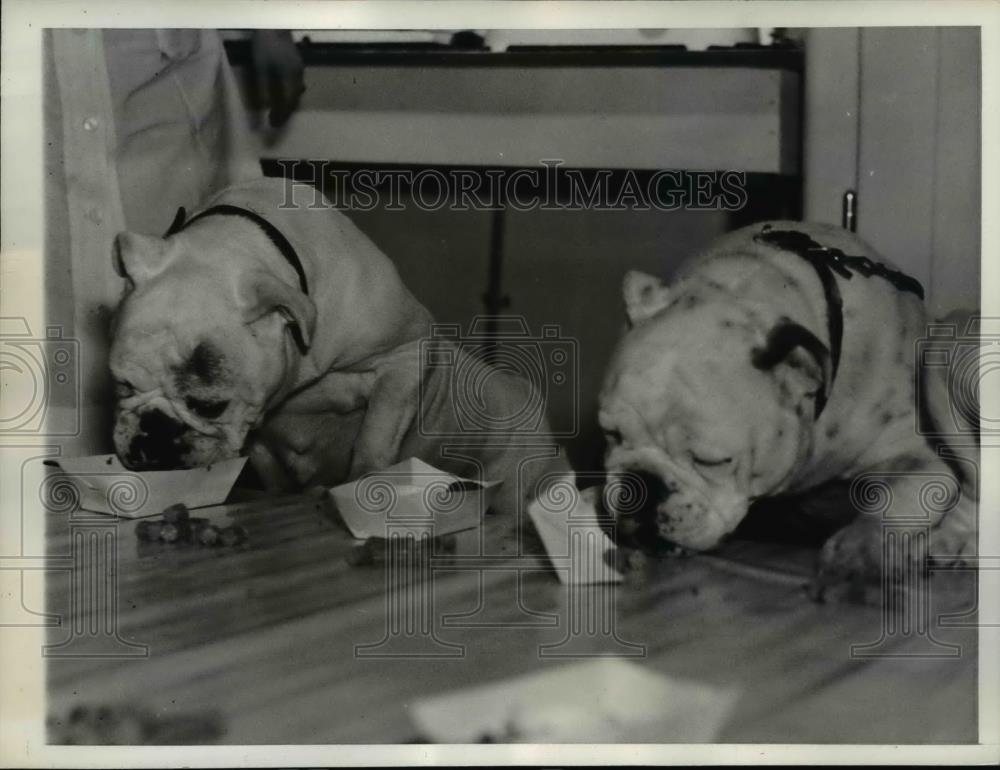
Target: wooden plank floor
(264,637)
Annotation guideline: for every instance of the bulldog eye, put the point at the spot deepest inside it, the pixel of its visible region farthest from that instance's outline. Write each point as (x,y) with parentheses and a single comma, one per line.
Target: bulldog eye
(207,409)
(613,436)
(708,463)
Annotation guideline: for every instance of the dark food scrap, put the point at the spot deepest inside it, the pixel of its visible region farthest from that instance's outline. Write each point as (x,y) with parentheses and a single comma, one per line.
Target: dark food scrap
(625,560)
(175,514)
(130,725)
(362,555)
(148,530)
(178,526)
(208,534)
(170,533)
(234,535)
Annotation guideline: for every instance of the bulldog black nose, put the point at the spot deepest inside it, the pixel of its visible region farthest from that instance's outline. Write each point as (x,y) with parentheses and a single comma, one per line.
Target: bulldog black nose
(652,488)
(637,512)
(157,445)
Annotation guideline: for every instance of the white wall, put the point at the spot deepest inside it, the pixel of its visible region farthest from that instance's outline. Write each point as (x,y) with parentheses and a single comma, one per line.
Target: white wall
(895,115)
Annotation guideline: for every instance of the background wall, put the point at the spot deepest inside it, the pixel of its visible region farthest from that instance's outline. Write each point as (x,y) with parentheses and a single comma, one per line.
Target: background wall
(560,267)
(895,115)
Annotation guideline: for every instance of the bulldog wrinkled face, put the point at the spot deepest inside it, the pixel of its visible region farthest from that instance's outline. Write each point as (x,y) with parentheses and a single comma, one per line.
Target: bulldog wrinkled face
(186,396)
(684,406)
(195,358)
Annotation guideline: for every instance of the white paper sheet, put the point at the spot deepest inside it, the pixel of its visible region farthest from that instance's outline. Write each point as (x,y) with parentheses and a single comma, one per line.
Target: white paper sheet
(106,486)
(411,495)
(597,701)
(567,523)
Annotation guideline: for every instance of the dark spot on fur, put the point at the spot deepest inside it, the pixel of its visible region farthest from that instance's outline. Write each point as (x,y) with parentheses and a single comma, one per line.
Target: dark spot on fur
(205,363)
(691,301)
(832,431)
(885,418)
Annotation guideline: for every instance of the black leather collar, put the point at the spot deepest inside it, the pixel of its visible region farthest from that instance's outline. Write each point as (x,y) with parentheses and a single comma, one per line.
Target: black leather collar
(827,261)
(275,235)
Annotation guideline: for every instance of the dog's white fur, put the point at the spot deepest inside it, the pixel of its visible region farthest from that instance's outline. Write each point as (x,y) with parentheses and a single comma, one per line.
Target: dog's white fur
(346,405)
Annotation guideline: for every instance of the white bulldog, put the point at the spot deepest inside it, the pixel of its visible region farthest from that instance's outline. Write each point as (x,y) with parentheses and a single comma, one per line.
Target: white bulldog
(781,358)
(283,332)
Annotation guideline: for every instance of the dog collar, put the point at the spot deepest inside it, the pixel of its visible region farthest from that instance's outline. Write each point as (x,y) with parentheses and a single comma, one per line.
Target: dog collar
(275,235)
(827,261)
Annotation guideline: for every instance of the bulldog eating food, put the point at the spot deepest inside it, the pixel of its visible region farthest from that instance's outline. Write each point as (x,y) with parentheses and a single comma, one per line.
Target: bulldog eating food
(781,358)
(283,332)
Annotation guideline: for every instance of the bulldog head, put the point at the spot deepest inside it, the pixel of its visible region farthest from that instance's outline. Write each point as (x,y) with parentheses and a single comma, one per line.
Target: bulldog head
(709,399)
(199,344)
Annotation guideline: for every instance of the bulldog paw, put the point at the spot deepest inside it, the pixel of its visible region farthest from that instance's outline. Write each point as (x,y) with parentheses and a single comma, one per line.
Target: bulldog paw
(853,562)
(953,543)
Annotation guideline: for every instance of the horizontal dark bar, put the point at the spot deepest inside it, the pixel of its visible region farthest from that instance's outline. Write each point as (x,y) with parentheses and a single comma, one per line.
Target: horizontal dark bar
(440,55)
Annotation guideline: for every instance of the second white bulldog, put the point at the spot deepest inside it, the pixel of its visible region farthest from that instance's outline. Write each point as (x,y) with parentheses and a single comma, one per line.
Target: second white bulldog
(781,358)
(283,332)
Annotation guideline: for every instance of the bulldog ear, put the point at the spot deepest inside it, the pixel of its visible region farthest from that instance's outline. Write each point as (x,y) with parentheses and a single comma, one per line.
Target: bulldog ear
(138,257)
(645,295)
(799,357)
(264,294)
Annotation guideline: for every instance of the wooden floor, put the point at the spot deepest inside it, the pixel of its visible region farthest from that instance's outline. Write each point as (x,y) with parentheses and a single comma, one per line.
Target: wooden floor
(258,643)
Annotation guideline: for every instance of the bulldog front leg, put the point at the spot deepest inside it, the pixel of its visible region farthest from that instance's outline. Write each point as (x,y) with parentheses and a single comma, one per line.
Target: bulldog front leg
(271,472)
(307,439)
(954,540)
(904,516)
(340,392)
(392,408)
